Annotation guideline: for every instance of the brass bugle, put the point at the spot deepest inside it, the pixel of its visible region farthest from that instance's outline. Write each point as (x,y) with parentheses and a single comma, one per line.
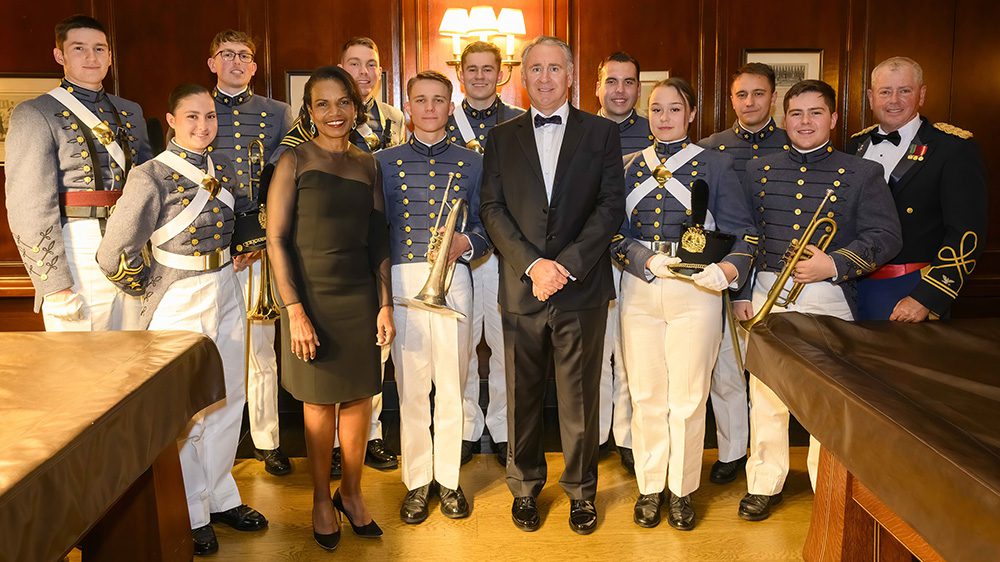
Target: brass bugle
(433,296)
(795,253)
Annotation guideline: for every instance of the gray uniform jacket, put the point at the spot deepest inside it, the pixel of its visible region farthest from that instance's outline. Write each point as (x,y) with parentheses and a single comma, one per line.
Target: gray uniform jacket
(155,194)
(243,119)
(50,151)
(785,189)
(387,122)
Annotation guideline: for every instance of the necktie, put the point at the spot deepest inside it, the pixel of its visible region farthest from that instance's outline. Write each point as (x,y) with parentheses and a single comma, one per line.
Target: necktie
(542,121)
(892,137)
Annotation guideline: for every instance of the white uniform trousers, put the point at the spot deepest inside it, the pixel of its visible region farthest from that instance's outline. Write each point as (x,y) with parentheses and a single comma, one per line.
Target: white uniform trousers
(729,399)
(670,335)
(430,350)
(767,466)
(616,404)
(262,376)
(105,306)
(486,324)
(210,304)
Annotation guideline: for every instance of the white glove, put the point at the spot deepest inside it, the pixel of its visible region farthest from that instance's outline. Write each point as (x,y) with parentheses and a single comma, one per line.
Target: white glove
(659,265)
(711,278)
(64,307)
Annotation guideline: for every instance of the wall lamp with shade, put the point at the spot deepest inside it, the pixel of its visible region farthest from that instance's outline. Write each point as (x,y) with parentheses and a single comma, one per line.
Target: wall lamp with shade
(482,23)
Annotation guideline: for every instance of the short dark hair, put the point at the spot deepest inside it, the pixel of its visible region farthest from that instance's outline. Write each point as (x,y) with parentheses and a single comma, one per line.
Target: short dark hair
(184,91)
(429,75)
(345,79)
(79,21)
(364,41)
(682,86)
(231,36)
(755,68)
(618,56)
(481,47)
(819,86)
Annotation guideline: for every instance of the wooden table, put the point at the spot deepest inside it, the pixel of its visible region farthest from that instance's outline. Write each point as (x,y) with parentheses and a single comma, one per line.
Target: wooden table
(88,453)
(908,418)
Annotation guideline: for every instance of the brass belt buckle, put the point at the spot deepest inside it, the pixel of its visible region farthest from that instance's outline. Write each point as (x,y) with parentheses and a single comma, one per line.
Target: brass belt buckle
(664,247)
(214,259)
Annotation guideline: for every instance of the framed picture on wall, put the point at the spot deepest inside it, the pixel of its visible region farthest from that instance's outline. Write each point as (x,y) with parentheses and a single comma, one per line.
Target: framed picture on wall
(790,66)
(648,79)
(295,85)
(13,90)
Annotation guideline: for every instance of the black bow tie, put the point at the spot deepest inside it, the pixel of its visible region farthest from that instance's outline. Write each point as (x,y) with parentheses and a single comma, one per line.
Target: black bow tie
(892,137)
(542,121)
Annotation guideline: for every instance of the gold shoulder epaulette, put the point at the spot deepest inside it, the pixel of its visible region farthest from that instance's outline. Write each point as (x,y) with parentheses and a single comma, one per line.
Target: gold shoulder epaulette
(865,130)
(953,130)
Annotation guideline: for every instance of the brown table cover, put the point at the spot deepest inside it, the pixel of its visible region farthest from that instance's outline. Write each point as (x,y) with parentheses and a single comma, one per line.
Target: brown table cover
(912,410)
(82,416)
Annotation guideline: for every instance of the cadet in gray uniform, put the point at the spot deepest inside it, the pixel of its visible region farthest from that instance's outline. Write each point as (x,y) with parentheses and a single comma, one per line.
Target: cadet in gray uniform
(68,153)
(753,135)
(618,92)
(785,189)
(182,203)
(432,349)
(481,110)
(251,126)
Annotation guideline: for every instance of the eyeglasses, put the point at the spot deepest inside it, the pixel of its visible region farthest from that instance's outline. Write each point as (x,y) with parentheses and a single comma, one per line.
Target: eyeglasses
(230,56)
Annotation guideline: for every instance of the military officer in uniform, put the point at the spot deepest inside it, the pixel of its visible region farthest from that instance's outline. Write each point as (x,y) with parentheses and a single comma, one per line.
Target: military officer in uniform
(938,182)
(752,136)
(385,128)
(618,92)
(785,190)
(420,178)
(481,110)
(250,128)
(670,325)
(68,154)
(182,203)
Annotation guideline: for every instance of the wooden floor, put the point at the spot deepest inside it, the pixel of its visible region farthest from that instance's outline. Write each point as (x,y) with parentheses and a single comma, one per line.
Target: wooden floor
(489,534)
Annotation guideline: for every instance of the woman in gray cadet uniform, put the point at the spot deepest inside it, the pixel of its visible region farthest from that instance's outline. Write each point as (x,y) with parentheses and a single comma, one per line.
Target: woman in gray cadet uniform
(182,202)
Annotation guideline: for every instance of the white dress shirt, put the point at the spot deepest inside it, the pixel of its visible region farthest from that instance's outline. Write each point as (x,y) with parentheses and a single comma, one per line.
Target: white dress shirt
(888,154)
(548,139)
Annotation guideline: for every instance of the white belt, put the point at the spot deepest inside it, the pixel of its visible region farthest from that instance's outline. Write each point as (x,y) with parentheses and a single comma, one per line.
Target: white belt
(660,246)
(205,262)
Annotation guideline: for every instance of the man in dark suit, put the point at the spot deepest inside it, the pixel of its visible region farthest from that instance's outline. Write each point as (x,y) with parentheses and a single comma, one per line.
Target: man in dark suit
(938,182)
(553,194)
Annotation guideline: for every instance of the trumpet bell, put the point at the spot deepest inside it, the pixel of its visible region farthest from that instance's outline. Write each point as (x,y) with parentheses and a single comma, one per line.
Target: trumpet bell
(430,303)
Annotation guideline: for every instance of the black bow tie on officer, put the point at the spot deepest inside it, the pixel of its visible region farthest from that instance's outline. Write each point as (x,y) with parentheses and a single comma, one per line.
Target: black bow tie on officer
(878,137)
(542,121)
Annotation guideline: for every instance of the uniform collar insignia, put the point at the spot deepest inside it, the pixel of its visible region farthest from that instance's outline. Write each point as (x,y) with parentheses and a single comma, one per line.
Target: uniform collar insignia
(81,93)
(671,148)
(430,151)
(812,156)
(226,99)
(191,156)
(481,113)
(766,131)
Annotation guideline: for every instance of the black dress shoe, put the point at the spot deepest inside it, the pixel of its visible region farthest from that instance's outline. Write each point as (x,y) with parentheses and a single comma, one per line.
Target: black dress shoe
(328,541)
(204,540)
(502,453)
(336,464)
(582,516)
(414,508)
(377,456)
(524,513)
(241,518)
(680,513)
(647,510)
(453,503)
(275,462)
(725,472)
(604,449)
(757,507)
(468,447)
(628,461)
(369,531)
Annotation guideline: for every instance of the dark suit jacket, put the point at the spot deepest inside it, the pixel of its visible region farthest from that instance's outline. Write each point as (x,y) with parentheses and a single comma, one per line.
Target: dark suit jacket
(575,229)
(941,198)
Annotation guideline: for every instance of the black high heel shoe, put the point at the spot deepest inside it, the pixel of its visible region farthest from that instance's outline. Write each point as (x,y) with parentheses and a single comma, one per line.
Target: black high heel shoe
(329,541)
(369,531)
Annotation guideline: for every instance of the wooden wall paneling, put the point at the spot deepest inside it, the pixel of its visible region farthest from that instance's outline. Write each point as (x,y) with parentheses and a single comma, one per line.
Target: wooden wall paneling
(711,87)
(854,70)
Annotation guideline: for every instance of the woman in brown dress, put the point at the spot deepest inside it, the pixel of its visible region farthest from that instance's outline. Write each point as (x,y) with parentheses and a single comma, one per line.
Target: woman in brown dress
(327,239)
